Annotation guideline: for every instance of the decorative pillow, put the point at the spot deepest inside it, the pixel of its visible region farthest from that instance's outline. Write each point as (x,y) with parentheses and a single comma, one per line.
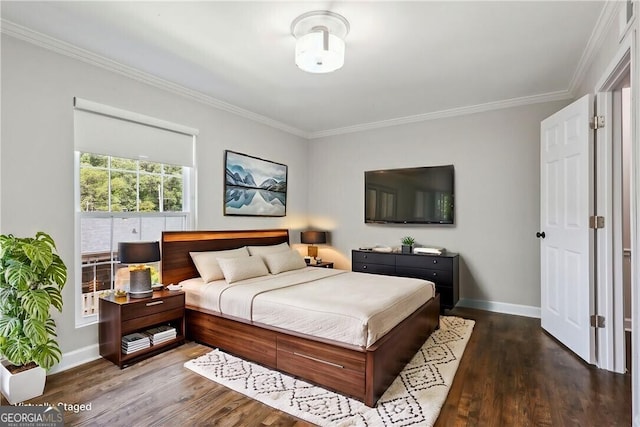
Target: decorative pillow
(284,261)
(207,262)
(263,250)
(235,269)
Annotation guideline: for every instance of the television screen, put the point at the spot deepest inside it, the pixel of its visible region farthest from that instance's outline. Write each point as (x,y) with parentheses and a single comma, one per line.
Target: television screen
(423,195)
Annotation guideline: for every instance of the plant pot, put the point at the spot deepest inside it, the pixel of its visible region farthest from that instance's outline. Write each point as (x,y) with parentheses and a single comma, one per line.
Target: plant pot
(407,249)
(23,385)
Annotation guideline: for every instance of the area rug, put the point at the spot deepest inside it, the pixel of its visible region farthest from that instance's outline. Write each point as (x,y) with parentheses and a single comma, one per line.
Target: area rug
(413,399)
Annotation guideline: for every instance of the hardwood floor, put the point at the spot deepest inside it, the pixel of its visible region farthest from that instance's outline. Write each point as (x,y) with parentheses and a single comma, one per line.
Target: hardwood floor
(512,374)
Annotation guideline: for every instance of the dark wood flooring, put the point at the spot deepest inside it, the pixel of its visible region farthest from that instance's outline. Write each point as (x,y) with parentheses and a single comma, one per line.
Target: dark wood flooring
(512,374)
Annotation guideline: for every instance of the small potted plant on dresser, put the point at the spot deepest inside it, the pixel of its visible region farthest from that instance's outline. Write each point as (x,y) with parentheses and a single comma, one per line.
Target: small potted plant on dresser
(32,276)
(407,244)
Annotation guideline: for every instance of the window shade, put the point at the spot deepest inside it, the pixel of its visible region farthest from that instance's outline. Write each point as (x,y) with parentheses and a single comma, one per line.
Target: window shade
(106,130)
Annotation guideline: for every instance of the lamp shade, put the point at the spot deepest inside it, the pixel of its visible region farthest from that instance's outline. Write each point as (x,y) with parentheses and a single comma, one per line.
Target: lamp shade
(138,252)
(320,41)
(320,52)
(312,237)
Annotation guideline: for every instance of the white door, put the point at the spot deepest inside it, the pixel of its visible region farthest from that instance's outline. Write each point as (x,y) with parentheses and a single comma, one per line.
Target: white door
(566,241)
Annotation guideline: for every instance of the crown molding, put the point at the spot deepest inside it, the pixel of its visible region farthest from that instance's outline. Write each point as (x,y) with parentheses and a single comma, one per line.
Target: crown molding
(14,30)
(461,111)
(607,18)
(595,41)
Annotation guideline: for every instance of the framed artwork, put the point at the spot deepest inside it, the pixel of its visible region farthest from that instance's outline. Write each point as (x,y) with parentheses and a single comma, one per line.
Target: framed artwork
(254,186)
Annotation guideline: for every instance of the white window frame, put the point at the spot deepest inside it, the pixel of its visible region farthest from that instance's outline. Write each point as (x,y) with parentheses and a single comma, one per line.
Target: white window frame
(187,213)
(106,130)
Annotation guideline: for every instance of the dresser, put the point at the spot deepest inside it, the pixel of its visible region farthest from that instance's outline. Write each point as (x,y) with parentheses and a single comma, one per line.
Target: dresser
(439,269)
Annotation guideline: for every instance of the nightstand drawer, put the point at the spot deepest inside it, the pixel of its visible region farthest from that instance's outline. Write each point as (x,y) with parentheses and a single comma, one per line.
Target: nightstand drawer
(147,307)
(135,324)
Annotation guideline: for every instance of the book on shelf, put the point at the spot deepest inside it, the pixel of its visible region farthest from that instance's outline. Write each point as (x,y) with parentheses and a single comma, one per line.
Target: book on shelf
(134,337)
(134,342)
(161,340)
(161,329)
(161,334)
(133,350)
(136,346)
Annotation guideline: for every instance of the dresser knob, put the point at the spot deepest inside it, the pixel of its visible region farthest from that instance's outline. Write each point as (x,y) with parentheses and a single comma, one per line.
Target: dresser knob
(435,261)
(364,267)
(434,274)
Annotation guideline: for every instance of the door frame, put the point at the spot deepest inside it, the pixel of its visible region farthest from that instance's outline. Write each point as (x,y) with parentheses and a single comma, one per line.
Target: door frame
(609,286)
(628,47)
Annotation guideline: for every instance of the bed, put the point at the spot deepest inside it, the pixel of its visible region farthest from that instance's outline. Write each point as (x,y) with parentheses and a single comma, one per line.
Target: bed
(360,369)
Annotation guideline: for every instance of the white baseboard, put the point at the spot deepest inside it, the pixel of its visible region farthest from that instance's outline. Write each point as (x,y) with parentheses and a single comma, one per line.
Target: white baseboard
(76,357)
(501,307)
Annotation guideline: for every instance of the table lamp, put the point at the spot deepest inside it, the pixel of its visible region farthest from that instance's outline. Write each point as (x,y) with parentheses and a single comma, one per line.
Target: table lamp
(136,254)
(313,237)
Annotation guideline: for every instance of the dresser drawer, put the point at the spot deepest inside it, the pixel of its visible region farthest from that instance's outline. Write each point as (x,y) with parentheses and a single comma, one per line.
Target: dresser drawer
(439,277)
(373,258)
(147,307)
(374,268)
(425,261)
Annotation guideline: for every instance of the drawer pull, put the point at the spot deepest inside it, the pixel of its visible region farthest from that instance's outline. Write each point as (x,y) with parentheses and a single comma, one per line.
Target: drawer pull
(315,359)
(149,304)
(364,267)
(435,261)
(434,274)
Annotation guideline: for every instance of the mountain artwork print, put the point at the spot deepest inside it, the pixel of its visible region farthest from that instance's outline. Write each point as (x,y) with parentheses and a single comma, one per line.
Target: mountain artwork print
(253,186)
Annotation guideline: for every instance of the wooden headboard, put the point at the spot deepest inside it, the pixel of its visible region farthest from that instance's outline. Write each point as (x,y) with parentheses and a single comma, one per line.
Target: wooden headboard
(176,245)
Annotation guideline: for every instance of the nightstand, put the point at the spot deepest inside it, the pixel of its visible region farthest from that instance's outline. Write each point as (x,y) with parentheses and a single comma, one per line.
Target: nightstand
(322,265)
(120,316)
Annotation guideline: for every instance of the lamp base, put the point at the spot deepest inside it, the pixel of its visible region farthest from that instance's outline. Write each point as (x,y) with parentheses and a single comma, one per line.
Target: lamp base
(140,283)
(140,294)
(312,251)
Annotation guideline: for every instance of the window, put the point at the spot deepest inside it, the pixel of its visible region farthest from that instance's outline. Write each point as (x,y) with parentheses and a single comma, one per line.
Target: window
(123,200)
(135,177)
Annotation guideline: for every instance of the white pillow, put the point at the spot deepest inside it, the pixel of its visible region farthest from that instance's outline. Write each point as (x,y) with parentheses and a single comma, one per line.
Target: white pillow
(263,250)
(235,269)
(284,261)
(207,262)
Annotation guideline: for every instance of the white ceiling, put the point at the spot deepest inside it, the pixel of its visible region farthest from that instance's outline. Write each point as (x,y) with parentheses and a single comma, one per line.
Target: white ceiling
(404,60)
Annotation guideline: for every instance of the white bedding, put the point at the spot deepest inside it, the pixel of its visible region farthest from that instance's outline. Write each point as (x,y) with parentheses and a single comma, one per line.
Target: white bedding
(353,308)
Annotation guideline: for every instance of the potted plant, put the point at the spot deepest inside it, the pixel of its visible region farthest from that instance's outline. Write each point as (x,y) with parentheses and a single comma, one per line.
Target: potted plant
(32,276)
(407,244)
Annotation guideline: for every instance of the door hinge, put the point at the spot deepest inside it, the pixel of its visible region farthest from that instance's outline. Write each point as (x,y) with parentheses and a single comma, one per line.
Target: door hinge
(597,122)
(596,221)
(597,321)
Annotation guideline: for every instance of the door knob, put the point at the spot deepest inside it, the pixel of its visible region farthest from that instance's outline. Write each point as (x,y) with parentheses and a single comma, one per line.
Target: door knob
(539,235)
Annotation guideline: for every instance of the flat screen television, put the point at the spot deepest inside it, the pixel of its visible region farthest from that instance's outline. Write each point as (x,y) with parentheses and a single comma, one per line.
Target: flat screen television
(423,195)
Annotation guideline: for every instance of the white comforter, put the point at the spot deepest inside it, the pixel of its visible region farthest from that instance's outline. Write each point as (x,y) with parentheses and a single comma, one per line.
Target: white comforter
(354,308)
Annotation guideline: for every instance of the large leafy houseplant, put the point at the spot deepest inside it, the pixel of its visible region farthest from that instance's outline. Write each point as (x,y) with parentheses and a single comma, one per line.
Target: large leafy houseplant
(32,276)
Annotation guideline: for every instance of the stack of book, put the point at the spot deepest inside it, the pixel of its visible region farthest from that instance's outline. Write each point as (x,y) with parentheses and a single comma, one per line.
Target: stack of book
(134,342)
(161,334)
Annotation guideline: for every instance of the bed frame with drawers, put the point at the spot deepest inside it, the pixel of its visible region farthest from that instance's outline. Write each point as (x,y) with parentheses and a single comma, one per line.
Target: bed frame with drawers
(362,373)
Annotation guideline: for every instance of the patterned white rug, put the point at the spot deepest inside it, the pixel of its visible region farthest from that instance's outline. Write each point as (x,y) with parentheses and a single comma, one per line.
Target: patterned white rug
(413,399)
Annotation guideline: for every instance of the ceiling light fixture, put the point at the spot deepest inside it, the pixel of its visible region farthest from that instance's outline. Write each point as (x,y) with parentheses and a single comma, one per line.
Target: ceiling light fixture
(320,41)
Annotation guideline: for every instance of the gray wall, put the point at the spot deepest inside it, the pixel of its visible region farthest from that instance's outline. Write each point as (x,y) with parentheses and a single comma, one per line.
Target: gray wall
(496,156)
(36,165)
